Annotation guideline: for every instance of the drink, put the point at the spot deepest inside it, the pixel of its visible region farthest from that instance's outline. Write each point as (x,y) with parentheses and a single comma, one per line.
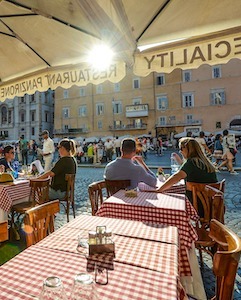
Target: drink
(174,165)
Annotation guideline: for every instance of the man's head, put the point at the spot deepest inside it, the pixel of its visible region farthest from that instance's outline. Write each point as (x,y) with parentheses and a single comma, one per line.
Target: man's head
(128,146)
(45,134)
(225,132)
(8,152)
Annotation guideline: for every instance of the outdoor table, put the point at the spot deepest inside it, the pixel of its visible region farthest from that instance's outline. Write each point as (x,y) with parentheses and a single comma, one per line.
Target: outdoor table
(145,266)
(178,188)
(12,193)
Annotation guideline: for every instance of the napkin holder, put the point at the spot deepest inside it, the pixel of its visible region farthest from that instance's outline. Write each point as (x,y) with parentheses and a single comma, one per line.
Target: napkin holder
(102,243)
(6,177)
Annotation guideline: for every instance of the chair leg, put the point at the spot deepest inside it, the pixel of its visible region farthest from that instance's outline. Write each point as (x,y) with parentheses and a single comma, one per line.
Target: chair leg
(201,258)
(73,207)
(67,211)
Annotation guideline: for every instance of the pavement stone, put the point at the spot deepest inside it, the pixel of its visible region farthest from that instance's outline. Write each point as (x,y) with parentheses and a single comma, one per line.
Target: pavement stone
(87,173)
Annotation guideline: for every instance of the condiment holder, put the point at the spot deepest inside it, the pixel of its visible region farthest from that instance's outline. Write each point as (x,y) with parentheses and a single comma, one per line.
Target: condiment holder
(100,241)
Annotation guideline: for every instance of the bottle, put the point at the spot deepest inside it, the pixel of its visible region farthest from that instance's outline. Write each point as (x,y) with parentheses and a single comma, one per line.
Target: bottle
(174,164)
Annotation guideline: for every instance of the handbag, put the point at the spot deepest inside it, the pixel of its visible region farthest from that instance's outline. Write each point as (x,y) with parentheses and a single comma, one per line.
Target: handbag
(233,151)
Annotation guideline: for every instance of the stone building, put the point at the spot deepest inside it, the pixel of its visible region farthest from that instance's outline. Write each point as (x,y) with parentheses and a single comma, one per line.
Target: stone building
(28,116)
(207,98)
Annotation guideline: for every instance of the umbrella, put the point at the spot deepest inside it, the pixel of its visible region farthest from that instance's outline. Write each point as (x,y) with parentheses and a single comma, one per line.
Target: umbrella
(44,44)
(91,139)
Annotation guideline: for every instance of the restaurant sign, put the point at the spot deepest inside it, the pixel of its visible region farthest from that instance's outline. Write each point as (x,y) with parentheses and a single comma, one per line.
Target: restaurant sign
(65,77)
(189,55)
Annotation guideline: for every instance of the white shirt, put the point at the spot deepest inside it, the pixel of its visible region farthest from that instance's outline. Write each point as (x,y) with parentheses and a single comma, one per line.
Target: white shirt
(48,146)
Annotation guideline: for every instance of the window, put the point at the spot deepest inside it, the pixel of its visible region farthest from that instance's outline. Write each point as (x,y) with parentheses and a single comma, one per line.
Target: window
(31,98)
(162,102)
(160,79)
(187,100)
(33,131)
(9,116)
(136,101)
(99,89)
(33,112)
(189,119)
(117,107)
(162,120)
(117,87)
(138,123)
(4,115)
(82,92)
(66,94)
(46,115)
(218,97)
(186,76)
(21,100)
(22,116)
(216,70)
(99,124)
(83,111)
(66,127)
(136,83)
(99,109)
(65,112)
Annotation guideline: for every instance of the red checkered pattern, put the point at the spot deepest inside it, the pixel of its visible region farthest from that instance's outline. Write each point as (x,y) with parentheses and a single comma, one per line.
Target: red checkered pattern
(169,209)
(147,231)
(178,188)
(26,273)
(9,294)
(161,257)
(11,192)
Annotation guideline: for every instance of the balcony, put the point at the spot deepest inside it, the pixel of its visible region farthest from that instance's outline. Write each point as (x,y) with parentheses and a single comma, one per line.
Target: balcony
(71,130)
(140,110)
(180,123)
(128,127)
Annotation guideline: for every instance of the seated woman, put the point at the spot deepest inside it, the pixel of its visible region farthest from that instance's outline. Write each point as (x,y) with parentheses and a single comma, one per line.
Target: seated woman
(195,168)
(65,165)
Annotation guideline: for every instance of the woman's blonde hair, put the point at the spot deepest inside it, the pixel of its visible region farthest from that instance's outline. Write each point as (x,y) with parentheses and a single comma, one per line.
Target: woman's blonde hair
(69,145)
(195,153)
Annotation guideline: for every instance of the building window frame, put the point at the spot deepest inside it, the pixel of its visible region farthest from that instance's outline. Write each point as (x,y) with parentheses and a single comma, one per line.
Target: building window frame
(162,120)
(162,102)
(82,92)
(99,89)
(83,110)
(100,108)
(117,87)
(186,76)
(160,79)
(117,107)
(188,100)
(66,94)
(216,71)
(65,112)
(217,97)
(136,83)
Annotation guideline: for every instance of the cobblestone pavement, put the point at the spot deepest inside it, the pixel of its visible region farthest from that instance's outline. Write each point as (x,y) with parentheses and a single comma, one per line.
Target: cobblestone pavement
(88,173)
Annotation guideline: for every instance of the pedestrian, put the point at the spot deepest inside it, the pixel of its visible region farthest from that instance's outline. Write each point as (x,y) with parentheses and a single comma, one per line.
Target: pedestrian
(109,150)
(34,150)
(23,146)
(48,150)
(117,144)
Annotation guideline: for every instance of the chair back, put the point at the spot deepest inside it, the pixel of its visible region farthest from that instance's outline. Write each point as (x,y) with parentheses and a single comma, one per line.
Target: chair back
(226,259)
(70,178)
(39,190)
(39,221)
(113,186)
(3,231)
(96,192)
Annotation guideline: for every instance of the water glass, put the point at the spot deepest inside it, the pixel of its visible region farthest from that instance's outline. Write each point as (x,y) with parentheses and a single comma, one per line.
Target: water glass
(84,287)
(53,289)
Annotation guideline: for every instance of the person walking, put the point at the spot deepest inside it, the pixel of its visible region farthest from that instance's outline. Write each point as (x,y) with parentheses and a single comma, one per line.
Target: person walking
(23,146)
(48,150)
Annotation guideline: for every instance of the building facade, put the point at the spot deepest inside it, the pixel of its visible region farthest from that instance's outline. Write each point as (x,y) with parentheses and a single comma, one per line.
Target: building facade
(28,116)
(207,98)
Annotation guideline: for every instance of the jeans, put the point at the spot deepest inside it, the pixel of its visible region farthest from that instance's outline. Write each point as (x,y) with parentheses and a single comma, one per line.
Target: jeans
(53,195)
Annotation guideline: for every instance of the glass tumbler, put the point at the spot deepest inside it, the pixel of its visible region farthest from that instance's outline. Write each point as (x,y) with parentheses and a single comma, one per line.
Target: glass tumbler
(84,287)
(53,289)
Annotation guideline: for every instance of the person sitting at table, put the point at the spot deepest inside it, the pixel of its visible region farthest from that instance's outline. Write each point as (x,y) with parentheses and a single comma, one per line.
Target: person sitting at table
(130,166)
(36,168)
(65,165)
(195,168)
(8,153)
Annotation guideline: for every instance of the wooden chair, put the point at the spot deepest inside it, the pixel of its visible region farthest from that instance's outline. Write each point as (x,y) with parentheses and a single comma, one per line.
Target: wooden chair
(113,186)
(39,221)
(97,191)
(39,194)
(3,231)
(226,259)
(211,197)
(69,196)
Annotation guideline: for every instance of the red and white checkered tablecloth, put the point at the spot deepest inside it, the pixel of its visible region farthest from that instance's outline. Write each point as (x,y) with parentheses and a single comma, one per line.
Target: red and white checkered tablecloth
(169,209)
(142,230)
(161,257)
(11,192)
(25,273)
(178,188)
(7,293)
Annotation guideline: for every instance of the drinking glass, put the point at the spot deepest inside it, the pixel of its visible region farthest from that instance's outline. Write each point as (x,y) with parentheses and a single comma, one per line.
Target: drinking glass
(53,289)
(83,245)
(84,288)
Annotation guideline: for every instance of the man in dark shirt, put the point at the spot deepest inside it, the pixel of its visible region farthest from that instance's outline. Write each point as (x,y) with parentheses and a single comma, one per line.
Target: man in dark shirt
(8,153)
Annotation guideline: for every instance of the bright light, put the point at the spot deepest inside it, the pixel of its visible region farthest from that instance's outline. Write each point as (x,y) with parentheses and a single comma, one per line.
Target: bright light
(100,57)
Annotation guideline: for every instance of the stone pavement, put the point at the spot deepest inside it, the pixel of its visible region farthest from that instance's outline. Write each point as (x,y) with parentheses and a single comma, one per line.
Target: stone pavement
(88,173)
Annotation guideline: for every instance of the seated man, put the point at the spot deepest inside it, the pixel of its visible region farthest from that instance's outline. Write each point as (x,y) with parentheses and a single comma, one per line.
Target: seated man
(129,166)
(8,153)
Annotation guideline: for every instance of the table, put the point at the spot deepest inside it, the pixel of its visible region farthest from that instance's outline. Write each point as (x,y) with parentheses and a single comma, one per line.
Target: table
(178,188)
(145,266)
(12,193)
(170,209)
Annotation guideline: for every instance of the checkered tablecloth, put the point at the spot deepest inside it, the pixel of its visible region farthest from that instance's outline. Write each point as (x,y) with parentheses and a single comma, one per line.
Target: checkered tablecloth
(7,293)
(12,192)
(169,209)
(161,257)
(178,188)
(25,273)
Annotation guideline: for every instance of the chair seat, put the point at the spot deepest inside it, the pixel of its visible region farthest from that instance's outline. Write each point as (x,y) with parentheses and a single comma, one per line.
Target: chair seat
(23,207)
